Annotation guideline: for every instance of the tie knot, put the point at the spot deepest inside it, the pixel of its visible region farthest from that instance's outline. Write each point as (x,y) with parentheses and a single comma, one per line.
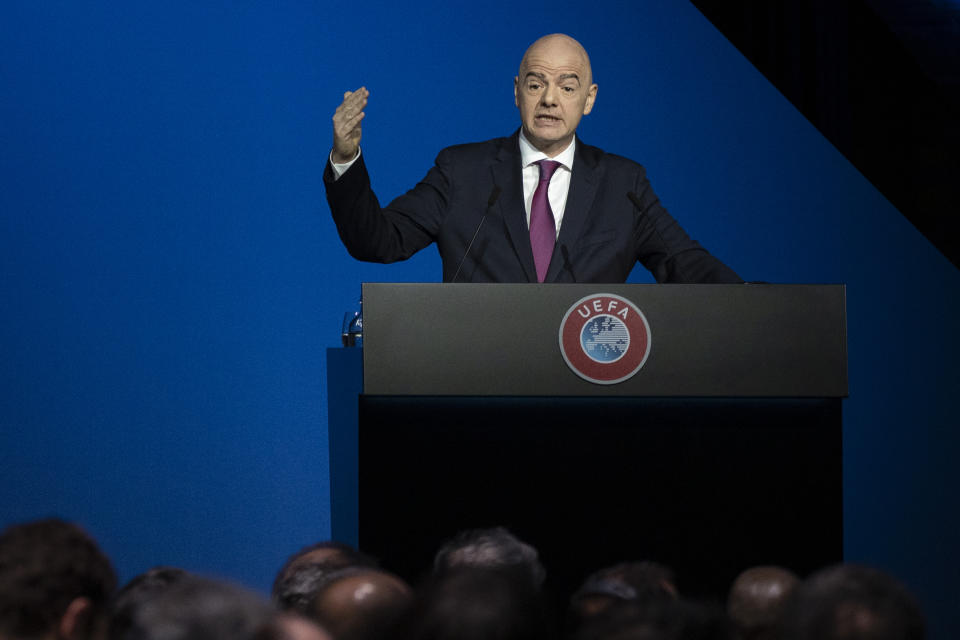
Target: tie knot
(547,167)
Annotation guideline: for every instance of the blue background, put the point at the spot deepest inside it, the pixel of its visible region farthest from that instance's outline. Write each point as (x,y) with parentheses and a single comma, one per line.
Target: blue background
(170,276)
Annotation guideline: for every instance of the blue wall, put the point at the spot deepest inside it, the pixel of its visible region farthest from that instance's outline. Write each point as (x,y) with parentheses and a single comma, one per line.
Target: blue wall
(170,277)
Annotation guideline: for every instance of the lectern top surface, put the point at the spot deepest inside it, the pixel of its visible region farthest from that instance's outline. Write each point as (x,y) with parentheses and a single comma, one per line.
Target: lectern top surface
(633,340)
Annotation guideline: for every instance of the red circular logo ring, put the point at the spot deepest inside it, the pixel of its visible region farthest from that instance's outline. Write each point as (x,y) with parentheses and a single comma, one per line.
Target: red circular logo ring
(604,338)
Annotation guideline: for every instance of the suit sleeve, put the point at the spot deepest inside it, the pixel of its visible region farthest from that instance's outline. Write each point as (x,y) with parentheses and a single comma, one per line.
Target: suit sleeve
(666,250)
(396,232)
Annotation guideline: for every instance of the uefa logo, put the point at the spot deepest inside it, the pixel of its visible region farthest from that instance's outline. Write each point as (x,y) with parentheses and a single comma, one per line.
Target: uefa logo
(604,338)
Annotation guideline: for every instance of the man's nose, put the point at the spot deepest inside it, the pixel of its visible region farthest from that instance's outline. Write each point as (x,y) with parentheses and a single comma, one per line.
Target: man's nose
(549,96)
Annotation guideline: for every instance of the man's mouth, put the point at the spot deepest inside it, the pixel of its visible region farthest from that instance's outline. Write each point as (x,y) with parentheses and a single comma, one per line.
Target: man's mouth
(546,119)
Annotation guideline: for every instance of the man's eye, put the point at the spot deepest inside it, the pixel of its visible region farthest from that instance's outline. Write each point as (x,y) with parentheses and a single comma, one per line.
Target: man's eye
(533,86)
(569,89)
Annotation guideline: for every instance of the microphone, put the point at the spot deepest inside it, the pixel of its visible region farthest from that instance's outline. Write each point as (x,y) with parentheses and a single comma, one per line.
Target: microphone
(635,200)
(494,194)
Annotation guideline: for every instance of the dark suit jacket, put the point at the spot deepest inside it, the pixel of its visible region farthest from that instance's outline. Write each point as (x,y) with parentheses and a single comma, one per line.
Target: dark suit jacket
(602,236)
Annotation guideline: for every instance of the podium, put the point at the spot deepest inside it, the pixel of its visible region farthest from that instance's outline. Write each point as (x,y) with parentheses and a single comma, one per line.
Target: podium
(715,446)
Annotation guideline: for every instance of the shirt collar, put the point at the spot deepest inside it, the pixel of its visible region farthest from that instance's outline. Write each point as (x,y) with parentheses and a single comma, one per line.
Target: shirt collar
(530,154)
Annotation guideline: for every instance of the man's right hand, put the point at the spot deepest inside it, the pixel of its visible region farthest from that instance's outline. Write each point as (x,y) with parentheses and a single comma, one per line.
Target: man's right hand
(346,125)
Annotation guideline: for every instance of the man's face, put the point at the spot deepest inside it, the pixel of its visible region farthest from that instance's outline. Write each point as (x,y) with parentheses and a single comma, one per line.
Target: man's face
(553,91)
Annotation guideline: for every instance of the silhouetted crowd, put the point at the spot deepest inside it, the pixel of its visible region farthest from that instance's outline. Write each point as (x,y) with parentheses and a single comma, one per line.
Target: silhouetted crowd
(56,584)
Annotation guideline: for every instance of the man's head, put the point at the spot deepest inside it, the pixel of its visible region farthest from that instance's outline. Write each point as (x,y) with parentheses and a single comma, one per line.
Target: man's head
(553,89)
(494,548)
(757,598)
(360,604)
(133,595)
(851,602)
(308,570)
(55,583)
(196,608)
(470,603)
(643,582)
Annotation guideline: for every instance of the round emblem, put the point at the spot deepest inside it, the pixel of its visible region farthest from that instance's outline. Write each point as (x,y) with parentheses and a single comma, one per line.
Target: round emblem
(604,338)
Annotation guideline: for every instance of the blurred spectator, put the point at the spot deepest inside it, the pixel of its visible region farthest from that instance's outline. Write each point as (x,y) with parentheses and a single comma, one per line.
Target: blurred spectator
(360,603)
(195,608)
(851,602)
(490,549)
(629,581)
(757,598)
(55,583)
(306,571)
(473,603)
(140,589)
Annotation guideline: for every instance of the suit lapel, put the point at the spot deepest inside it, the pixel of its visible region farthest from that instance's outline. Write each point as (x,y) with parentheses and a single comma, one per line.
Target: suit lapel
(507,173)
(583,189)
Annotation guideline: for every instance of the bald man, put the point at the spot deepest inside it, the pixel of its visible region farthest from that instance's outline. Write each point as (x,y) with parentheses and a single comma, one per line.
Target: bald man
(757,598)
(360,604)
(537,206)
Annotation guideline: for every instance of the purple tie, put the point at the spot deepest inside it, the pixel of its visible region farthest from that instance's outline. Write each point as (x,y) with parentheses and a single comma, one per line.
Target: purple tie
(543,231)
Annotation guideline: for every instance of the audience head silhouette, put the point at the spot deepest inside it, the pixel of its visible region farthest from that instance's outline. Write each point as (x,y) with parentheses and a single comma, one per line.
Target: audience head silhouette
(55,583)
(494,548)
(360,603)
(852,602)
(477,603)
(309,569)
(486,584)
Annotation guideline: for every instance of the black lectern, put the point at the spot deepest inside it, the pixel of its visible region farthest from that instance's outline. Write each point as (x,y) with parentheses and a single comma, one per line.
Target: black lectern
(695,425)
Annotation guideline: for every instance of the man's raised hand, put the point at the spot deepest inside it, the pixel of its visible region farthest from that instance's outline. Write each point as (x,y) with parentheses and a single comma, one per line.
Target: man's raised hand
(346,125)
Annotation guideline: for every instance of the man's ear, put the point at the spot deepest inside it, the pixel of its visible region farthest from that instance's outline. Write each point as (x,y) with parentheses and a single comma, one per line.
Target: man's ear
(591,98)
(77,620)
(516,88)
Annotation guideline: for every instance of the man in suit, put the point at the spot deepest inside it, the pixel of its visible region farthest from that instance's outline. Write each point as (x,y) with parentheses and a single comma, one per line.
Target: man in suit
(538,206)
